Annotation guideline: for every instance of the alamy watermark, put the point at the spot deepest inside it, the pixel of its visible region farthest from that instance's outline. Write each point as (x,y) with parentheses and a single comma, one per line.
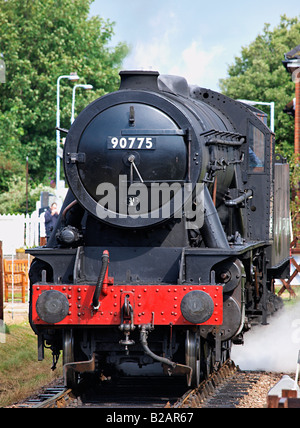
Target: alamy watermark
(152,201)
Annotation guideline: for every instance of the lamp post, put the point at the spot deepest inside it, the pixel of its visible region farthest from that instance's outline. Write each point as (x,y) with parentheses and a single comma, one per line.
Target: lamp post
(272,110)
(86,87)
(69,77)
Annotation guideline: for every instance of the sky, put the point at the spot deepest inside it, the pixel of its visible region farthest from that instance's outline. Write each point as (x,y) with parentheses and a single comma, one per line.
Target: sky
(196,39)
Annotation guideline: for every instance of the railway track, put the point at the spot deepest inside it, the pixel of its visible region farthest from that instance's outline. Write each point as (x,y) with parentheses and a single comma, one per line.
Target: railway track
(224,389)
(135,392)
(54,396)
(124,392)
(208,388)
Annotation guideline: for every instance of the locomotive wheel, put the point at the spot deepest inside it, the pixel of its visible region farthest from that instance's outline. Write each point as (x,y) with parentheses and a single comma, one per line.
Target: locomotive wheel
(192,356)
(68,357)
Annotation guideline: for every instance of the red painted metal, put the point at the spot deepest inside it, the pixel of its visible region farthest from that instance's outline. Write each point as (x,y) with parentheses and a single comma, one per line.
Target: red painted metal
(157,304)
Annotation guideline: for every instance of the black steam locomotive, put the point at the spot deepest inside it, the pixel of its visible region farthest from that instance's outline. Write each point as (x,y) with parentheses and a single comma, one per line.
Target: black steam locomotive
(174,228)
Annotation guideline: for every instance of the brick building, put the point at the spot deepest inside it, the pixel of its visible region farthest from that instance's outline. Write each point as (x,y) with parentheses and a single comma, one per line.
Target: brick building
(292,65)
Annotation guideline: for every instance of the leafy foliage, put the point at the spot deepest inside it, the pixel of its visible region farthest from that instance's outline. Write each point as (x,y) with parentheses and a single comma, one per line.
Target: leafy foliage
(14,200)
(41,40)
(258,75)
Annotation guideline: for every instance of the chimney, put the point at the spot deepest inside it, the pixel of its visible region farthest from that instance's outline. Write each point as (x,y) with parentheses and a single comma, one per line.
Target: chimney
(139,80)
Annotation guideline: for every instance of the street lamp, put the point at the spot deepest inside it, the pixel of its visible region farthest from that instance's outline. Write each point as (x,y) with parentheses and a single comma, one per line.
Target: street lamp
(72,77)
(272,110)
(86,87)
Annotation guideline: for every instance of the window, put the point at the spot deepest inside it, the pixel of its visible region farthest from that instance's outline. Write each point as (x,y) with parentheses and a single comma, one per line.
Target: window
(256,149)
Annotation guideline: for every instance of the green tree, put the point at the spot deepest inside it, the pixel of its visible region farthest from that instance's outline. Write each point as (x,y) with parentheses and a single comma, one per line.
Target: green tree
(41,40)
(258,74)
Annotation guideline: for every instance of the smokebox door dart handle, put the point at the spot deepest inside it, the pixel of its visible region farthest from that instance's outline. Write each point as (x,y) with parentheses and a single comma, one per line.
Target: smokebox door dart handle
(131,159)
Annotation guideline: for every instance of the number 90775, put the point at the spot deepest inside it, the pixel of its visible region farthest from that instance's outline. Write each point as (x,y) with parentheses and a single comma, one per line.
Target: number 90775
(134,143)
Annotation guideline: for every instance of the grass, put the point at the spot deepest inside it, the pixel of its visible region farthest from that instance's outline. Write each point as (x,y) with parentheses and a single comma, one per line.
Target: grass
(288,300)
(20,372)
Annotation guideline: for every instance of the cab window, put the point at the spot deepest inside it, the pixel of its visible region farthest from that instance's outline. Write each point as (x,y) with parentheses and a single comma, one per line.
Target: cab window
(256,149)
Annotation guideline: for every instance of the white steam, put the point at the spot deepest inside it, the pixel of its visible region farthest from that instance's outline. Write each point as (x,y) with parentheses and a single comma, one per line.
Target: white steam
(273,347)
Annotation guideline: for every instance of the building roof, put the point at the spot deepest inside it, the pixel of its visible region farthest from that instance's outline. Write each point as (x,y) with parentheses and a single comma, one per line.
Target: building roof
(293,54)
(291,57)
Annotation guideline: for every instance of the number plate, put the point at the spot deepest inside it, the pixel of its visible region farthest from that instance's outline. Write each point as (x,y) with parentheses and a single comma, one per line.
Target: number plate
(131,143)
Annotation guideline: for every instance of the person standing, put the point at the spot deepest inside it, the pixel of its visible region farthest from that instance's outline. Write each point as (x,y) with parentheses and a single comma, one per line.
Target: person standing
(51,216)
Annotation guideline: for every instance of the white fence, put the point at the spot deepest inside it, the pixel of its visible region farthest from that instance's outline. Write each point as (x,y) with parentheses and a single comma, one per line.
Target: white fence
(25,231)
(21,231)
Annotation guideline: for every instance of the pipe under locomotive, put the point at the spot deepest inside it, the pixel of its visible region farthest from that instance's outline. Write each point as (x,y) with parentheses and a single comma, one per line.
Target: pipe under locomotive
(168,242)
